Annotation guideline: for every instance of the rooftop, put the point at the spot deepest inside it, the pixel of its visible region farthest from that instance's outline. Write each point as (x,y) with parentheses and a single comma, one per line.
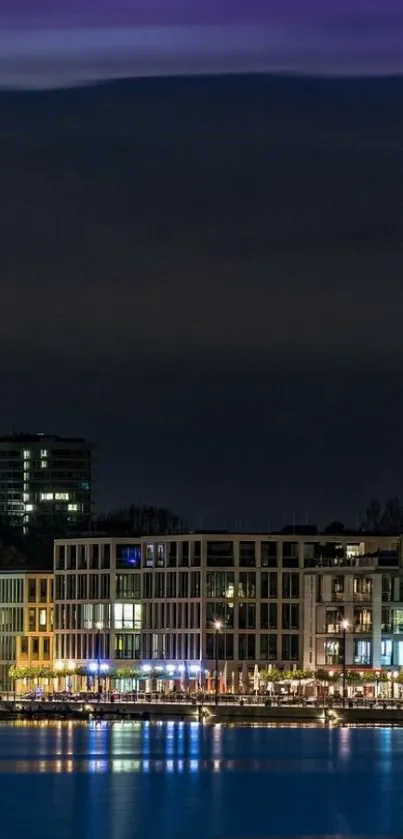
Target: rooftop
(18,437)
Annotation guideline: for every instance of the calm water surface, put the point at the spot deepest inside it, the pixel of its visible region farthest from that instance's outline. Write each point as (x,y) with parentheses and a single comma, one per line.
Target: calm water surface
(187,781)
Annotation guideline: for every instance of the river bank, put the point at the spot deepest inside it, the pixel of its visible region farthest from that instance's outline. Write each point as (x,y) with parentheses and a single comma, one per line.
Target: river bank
(208,712)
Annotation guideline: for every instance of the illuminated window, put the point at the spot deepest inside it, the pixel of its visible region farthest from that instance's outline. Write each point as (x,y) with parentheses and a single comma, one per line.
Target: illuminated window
(46,496)
(26,496)
(72,508)
(26,454)
(29,508)
(61,496)
(44,464)
(44,453)
(42,619)
(127,615)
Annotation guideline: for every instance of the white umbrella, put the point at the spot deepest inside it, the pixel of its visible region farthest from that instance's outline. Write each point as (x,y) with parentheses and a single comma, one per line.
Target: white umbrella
(256,679)
(225,676)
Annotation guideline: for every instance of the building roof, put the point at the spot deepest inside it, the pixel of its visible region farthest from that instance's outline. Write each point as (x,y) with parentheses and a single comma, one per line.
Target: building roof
(39,438)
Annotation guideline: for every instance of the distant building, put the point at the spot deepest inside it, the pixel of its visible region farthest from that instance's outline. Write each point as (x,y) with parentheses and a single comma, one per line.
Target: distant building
(153,602)
(43,477)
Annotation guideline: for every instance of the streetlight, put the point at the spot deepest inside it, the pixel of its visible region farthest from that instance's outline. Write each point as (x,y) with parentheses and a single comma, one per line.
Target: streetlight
(218,627)
(344,624)
(99,626)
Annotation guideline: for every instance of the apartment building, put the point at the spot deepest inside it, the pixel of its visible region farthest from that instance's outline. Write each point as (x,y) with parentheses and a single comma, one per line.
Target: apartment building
(154,602)
(43,476)
(353,596)
(26,622)
(34,646)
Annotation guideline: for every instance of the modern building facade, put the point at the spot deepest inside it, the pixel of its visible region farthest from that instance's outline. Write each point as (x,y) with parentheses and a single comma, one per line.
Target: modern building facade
(11,622)
(26,622)
(43,477)
(279,600)
(34,647)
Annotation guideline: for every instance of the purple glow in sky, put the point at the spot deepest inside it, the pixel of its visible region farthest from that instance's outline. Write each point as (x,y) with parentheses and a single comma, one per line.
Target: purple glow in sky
(45,43)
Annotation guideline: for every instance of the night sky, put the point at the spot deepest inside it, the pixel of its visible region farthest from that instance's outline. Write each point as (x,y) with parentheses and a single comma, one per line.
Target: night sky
(204,275)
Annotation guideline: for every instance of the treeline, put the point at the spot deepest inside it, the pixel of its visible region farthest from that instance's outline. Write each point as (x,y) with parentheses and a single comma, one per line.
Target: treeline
(19,550)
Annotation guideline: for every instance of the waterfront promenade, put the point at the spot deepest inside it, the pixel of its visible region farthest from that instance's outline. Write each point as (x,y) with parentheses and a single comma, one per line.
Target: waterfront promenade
(239,710)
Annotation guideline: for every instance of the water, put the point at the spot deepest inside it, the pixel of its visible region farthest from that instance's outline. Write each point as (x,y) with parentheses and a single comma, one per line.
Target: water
(187,781)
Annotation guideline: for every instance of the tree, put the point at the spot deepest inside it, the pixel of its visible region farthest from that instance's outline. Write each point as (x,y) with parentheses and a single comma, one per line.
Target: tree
(334,528)
(373,517)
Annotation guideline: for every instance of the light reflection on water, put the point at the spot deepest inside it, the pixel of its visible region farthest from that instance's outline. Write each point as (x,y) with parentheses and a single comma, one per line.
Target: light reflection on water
(174,780)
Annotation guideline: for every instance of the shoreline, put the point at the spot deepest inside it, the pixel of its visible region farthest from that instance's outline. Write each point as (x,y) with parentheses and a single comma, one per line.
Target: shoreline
(208,713)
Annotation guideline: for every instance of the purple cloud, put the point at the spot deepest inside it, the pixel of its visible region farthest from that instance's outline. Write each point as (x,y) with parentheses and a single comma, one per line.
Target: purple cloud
(84,40)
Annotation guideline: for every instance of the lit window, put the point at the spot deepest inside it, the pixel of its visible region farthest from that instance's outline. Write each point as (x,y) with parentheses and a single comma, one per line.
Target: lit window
(61,496)
(127,615)
(26,496)
(46,496)
(27,454)
(42,618)
(44,464)
(72,508)
(29,508)
(44,453)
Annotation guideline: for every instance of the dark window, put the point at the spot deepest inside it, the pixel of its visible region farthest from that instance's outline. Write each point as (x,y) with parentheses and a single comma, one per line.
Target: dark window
(106,556)
(24,646)
(128,586)
(195,584)
(60,587)
(268,647)
(220,554)
(269,555)
(43,586)
(247,616)
(196,560)
(159,585)
(171,584)
(183,584)
(71,587)
(60,556)
(290,647)
(246,647)
(105,591)
(290,586)
(32,620)
(290,616)
(290,550)
(225,646)
(172,554)
(147,586)
(268,615)
(71,557)
(184,554)
(94,556)
(35,647)
(82,587)
(290,562)
(46,647)
(247,554)
(127,646)
(268,585)
(31,591)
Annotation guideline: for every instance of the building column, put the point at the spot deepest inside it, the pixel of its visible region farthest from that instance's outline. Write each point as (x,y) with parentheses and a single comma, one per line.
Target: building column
(376,620)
